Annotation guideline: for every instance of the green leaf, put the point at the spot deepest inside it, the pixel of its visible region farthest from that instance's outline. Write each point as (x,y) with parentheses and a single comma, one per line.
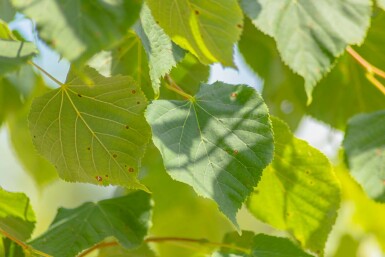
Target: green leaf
(16,215)
(364,146)
(94,134)
(298,191)
(14,53)
(37,167)
(217,142)
(178,211)
(263,245)
(126,218)
(348,246)
(7,12)
(79,29)
(306,33)
(162,53)
(208,29)
(283,90)
(381,4)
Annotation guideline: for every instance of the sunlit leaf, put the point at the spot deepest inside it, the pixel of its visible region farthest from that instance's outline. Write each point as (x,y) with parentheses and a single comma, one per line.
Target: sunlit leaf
(162,53)
(208,29)
(95,134)
(79,29)
(16,215)
(125,218)
(218,142)
(364,146)
(298,191)
(306,33)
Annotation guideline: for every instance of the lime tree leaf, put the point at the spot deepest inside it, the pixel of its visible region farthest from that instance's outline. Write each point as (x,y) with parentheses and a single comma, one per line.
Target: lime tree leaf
(9,99)
(208,29)
(14,53)
(218,142)
(348,246)
(282,89)
(126,218)
(298,191)
(94,134)
(79,29)
(178,211)
(263,245)
(37,167)
(7,12)
(306,33)
(364,146)
(162,53)
(16,215)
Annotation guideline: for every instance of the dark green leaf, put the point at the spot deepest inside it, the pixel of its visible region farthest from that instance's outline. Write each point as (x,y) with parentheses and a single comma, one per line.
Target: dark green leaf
(306,33)
(218,142)
(94,134)
(125,218)
(7,12)
(16,215)
(298,192)
(364,146)
(80,28)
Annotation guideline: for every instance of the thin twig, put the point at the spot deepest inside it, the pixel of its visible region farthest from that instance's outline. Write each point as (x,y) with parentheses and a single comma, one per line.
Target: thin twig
(170,84)
(376,82)
(46,73)
(364,63)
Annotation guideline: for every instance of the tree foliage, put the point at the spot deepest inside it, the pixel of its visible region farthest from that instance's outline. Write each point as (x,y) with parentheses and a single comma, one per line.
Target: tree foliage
(136,112)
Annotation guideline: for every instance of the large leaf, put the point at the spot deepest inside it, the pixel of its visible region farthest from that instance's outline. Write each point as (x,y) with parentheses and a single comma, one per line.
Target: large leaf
(364,146)
(282,89)
(162,53)
(14,53)
(178,211)
(298,191)
(125,218)
(260,245)
(218,142)
(37,167)
(7,12)
(208,29)
(94,134)
(79,29)
(16,215)
(306,33)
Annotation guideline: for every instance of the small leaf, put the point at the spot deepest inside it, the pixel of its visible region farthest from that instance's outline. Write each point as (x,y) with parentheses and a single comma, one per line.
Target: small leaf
(298,191)
(93,134)
(16,215)
(218,142)
(162,53)
(306,33)
(79,29)
(126,218)
(364,146)
(208,29)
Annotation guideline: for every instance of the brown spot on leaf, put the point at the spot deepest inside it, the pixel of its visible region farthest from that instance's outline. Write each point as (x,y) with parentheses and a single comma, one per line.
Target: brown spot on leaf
(130,169)
(137,102)
(239,26)
(99,178)
(234,94)
(133,91)
(115,155)
(79,95)
(196,12)
(127,127)
(88,148)
(235,152)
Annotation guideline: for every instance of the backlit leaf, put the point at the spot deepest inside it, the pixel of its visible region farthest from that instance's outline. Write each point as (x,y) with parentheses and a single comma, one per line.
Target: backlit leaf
(311,34)
(298,191)
(95,134)
(16,215)
(126,218)
(79,29)
(364,146)
(218,142)
(208,29)
(14,53)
